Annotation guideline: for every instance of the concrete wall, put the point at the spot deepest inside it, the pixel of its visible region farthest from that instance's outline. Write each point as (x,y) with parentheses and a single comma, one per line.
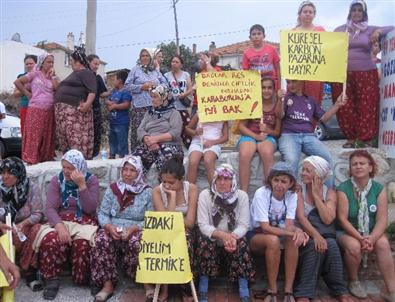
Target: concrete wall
(12,55)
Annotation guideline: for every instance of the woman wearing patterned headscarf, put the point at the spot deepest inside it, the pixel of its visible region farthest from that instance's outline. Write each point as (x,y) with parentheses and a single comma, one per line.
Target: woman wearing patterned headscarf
(22,199)
(141,79)
(121,216)
(316,212)
(358,119)
(160,130)
(362,215)
(38,138)
(72,199)
(223,219)
(73,109)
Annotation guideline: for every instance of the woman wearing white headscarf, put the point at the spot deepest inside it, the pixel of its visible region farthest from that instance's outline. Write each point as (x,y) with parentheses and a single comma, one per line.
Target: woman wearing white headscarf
(121,216)
(38,139)
(316,212)
(362,215)
(72,199)
(141,79)
(223,218)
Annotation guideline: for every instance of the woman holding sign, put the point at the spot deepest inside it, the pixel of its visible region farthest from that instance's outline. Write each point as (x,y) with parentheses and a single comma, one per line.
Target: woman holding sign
(306,15)
(176,194)
(358,119)
(121,216)
(223,219)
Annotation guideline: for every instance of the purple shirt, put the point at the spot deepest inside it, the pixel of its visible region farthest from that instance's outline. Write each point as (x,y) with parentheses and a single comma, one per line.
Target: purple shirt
(359,48)
(88,198)
(300,112)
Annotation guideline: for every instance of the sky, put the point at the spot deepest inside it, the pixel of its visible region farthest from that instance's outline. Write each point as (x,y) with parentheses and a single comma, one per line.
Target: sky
(124,27)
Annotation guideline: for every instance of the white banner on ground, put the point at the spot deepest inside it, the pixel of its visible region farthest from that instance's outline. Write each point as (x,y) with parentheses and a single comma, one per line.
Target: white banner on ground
(387,96)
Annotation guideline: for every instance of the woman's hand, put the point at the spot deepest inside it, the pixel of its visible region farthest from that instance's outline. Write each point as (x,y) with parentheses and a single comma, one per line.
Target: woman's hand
(4,228)
(260,137)
(128,232)
(368,243)
(150,140)
(147,85)
(28,94)
(170,193)
(112,230)
(300,237)
(208,143)
(341,101)
(154,147)
(281,93)
(63,233)
(79,179)
(317,187)
(84,107)
(320,244)
(10,270)
(199,131)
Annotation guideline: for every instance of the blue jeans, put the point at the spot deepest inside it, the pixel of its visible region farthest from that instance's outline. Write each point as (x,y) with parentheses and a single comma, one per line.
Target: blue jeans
(118,139)
(292,144)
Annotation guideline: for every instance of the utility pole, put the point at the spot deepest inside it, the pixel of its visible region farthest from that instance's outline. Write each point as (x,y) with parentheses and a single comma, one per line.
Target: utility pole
(91,27)
(176,25)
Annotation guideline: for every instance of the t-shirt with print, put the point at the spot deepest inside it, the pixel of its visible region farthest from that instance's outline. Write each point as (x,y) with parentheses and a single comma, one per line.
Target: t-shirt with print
(120,117)
(261,203)
(300,112)
(178,86)
(2,111)
(263,60)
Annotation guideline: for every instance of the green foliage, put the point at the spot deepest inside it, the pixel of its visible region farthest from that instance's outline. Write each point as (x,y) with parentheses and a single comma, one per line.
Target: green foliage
(170,49)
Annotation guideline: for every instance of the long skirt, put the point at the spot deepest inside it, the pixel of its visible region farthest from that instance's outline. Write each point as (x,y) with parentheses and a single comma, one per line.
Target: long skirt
(54,254)
(186,139)
(210,256)
(74,129)
(38,138)
(109,252)
(159,157)
(358,118)
(313,264)
(135,121)
(26,257)
(22,116)
(97,129)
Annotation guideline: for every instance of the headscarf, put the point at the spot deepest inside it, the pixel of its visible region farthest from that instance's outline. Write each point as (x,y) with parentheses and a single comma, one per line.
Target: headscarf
(224,203)
(16,196)
(150,66)
(320,165)
(138,184)
(69,188)
(124,192)
(356,28)
(167,105)
(303,4)
(363,211)
(40,60)
(80,56)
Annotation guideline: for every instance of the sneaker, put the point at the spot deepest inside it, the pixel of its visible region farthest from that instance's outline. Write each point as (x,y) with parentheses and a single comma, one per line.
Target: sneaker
(389,297)
(356,289)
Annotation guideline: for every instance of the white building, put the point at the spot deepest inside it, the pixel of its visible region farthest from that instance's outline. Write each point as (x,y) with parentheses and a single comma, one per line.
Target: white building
(12,55)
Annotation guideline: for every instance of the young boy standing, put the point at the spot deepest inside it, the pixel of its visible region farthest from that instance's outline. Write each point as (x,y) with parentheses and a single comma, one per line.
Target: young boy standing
(118,104)
(262,56)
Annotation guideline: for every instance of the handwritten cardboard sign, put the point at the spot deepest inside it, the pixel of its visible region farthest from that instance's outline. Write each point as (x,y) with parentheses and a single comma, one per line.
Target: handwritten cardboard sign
(314,56)
(387,96)
(229,95)
(163,257)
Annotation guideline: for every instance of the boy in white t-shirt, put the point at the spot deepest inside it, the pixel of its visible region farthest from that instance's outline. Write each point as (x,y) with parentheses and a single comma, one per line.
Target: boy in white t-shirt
(2,115)
(273,211)
(206,142)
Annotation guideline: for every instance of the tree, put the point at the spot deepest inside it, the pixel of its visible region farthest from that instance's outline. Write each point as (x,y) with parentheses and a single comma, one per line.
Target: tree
(170,49)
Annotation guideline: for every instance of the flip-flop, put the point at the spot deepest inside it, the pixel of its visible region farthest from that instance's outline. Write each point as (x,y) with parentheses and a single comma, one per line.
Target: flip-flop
(348,145)
(103,296)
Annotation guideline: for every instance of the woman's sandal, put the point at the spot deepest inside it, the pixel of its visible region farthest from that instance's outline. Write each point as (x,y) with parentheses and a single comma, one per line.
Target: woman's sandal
(51,289)
(103,296)
(266,296)
(289,297)
(35,285)
(348,145)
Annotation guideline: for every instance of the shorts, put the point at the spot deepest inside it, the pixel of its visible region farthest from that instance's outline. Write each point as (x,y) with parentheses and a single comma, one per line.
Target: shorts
(251,233)
(197,146)
(245,138)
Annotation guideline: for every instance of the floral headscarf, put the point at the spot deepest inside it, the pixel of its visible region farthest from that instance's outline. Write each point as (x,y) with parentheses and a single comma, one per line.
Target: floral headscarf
(80,56)
(167,105)
(69,188)
(14,197)
(138,184)
(355,28)
(41,59)
(224,203)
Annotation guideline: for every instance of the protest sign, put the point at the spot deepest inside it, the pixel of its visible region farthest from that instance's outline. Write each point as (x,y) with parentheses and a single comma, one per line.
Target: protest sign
(229,95)
(314,56)
(163,257)
(387,96)
(6,246)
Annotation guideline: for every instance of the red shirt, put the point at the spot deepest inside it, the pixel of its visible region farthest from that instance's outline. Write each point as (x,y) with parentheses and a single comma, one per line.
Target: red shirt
(264,60)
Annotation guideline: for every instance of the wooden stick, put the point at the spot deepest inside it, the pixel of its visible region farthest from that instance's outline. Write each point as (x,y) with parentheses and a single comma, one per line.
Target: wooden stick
(344,90)
(156,292)
(9,234)
(193,289)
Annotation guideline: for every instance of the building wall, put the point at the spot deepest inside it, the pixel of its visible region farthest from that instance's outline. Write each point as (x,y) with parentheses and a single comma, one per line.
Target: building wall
(62,65)
(11,62)
(233,60)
